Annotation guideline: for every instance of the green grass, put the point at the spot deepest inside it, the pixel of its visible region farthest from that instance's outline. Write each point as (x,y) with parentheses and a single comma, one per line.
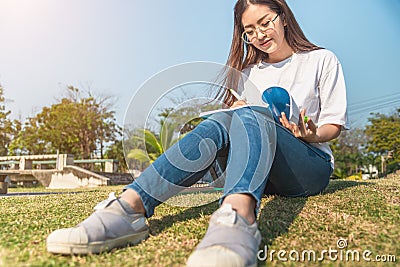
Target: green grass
(365,213)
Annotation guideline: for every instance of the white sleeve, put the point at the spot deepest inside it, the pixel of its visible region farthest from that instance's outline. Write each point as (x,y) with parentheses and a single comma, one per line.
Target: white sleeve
(333,96)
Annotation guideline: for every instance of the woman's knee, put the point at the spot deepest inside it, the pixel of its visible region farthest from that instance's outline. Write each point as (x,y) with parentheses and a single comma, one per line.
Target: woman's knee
(249,114)
(217,122)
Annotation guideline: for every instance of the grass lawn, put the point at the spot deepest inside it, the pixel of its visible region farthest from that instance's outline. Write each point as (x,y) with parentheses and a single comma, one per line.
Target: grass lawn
(366,214)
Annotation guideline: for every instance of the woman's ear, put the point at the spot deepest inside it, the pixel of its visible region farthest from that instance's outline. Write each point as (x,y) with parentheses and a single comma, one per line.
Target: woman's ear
(284,20)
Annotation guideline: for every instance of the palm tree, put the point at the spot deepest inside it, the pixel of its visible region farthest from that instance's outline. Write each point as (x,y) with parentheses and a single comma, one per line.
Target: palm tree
(152,145)
(155,144)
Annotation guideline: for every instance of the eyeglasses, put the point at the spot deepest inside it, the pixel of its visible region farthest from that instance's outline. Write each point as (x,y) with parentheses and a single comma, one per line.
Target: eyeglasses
(265,28)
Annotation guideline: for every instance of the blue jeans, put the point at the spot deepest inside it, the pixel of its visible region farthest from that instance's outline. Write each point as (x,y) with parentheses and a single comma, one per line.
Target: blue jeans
(262,158)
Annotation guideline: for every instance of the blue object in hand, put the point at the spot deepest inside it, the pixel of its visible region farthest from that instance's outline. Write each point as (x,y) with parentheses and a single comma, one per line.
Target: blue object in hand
(278,100)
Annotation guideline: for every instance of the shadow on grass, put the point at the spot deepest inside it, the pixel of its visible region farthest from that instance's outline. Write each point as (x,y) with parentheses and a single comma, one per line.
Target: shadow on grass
(275,217)
(336,185)
(158,225)
(278,214)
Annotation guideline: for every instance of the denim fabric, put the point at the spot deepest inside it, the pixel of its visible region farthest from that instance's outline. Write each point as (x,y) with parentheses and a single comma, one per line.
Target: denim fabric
(263,157)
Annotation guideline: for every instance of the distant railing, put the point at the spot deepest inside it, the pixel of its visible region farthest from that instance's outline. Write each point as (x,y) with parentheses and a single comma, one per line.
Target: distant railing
(60,160)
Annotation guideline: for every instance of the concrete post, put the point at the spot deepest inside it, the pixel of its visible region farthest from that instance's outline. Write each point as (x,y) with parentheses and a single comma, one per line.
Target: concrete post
(111,166)
(64,160)
(25,164)
(70,160)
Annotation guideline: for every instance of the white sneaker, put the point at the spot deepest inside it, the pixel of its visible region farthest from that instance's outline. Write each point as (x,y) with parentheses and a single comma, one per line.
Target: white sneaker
(114,224)
(229,241)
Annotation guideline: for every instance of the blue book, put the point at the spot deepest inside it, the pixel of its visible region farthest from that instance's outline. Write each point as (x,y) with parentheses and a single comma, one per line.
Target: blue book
(275,100)
(279,100)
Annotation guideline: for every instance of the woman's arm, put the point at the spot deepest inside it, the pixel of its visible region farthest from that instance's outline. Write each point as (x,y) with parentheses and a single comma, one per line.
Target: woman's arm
(327,133)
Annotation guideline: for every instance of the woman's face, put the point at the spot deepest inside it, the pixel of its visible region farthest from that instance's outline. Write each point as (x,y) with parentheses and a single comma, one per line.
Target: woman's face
(272,40)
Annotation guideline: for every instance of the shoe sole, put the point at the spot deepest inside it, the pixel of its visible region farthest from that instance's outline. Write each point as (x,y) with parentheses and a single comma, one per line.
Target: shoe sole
(97,247)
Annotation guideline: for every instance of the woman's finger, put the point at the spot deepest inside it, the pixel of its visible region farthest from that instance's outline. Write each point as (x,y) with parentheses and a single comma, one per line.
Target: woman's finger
(238,104)
(284,120)
(302,125)
(311,126)
(295,129)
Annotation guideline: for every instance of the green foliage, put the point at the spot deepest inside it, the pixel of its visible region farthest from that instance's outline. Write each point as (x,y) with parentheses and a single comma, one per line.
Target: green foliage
(360,148)
(383,134)
(145,145)
(115,151)
(155,145)
(76,125)
(141,155)
(349,152)
(186,119)
(8,127)
(153,142)
(338,173)
(392,165)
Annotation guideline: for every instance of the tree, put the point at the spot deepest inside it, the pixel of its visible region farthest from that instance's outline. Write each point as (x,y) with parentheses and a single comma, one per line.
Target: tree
(146,145)
(76,125)
(149,145)
(8,127)
(115,151)
(349,152)
(155,144)
(383,134)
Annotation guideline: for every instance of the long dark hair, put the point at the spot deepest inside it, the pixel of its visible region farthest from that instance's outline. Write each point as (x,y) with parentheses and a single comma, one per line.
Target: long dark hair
(242,55)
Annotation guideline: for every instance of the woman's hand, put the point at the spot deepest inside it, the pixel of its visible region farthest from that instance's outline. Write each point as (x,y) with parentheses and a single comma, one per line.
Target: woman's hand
(308,134)
(239,103)
(308,131)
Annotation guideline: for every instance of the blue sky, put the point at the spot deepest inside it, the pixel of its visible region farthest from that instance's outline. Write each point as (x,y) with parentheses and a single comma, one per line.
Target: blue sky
(112,47)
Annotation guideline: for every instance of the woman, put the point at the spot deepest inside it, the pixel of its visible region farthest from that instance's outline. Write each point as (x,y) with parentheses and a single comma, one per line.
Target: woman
(283,158)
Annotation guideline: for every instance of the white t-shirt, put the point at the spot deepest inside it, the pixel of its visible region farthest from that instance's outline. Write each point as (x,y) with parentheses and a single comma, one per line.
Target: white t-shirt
(315,81)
